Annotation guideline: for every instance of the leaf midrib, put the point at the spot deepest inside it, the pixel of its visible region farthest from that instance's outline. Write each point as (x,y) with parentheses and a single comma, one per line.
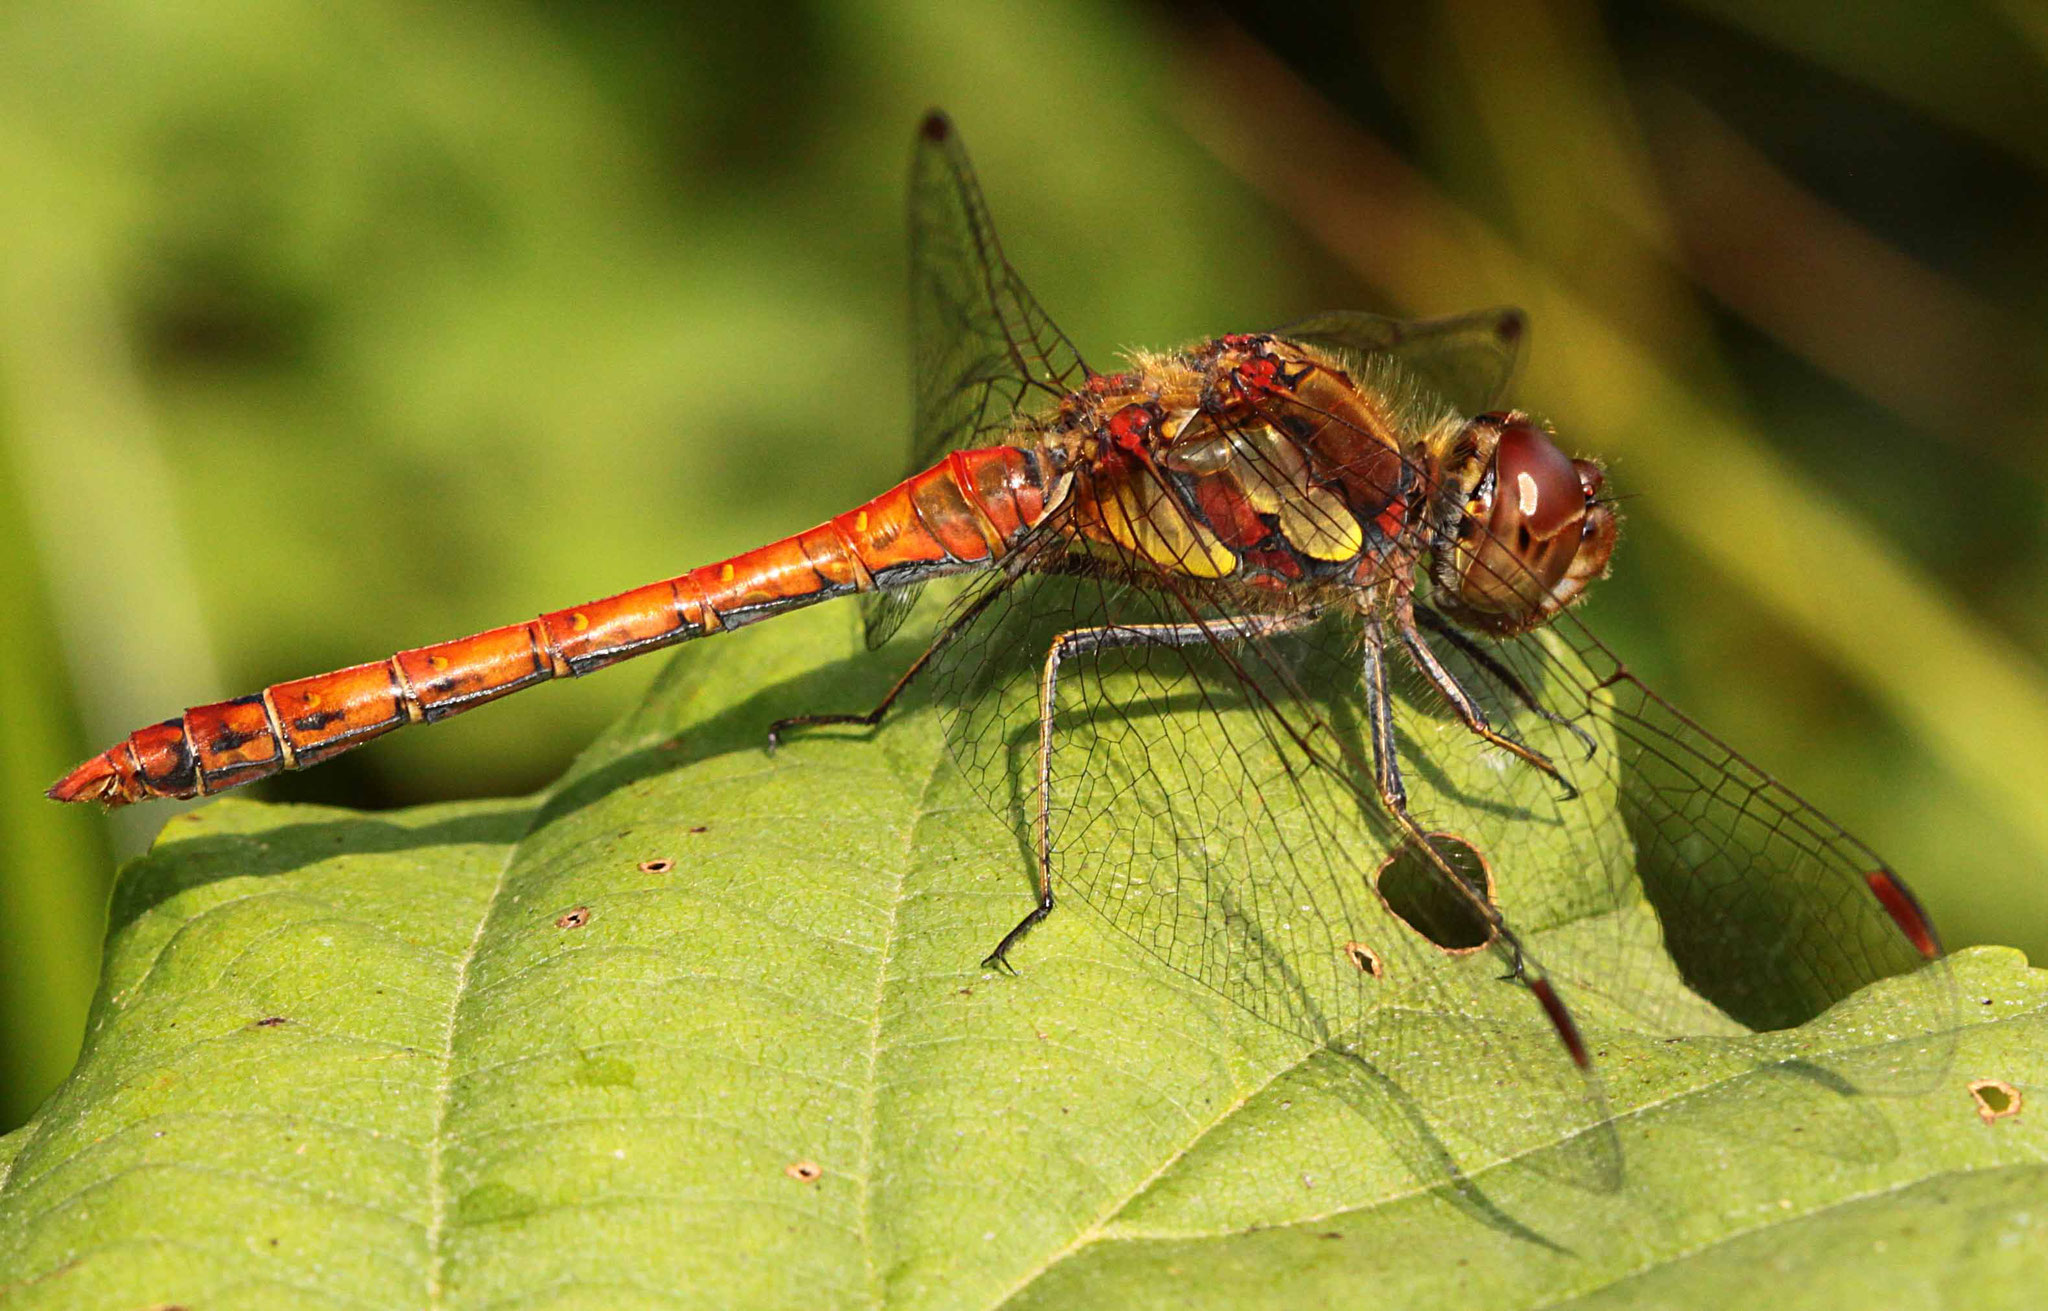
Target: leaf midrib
(437,1190)
(885,957)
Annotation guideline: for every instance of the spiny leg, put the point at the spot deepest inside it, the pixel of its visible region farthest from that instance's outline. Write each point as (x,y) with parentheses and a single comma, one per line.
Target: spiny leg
(954,627)
(1461,701)
(1387,778)
(1506,677)
(1386,764)
(1086,641)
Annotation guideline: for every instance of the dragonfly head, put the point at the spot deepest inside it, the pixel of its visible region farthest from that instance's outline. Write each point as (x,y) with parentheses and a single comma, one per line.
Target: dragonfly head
(1522,529)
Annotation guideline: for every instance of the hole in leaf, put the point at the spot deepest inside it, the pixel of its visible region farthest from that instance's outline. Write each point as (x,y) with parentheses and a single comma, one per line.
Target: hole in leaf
(1415,889)
(1996,1099)
(804,1171)
(659,865)
(574,919)
(1363,959)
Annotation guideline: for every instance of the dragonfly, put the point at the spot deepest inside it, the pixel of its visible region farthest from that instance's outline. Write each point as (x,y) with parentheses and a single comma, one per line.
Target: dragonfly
(1270,649)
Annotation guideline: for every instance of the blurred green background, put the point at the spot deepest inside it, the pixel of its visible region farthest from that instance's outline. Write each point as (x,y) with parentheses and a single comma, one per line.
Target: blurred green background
(330,330)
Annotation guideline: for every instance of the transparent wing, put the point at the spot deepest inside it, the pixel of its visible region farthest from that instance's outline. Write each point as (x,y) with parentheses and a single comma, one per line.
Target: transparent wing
(1770,909)
(1214,804)
(981,347)
(1466,359)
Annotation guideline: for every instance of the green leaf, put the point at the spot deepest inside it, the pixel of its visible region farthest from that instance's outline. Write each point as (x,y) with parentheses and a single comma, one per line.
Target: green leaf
(704,1027)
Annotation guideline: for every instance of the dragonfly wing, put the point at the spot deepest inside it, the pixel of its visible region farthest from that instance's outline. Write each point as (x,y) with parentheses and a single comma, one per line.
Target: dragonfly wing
(1770,909)
(1466,359)
(982,349)
(882,612)
(1214,804)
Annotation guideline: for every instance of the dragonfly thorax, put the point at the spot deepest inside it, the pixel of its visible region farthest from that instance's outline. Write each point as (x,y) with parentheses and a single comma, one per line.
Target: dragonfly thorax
(1266,463)
(1246,459)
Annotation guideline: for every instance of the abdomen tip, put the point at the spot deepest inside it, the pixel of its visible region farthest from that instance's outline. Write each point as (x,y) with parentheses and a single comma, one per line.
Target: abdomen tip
(95,780)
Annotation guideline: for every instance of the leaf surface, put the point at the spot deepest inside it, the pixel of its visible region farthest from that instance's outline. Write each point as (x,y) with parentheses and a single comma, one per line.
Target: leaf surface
(702,1026)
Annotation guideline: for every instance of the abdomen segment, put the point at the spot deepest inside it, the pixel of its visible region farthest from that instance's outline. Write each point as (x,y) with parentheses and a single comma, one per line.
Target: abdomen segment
(956,516)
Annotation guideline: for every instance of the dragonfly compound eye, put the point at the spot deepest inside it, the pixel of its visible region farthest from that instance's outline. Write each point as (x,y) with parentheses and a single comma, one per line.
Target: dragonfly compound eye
(1529,545)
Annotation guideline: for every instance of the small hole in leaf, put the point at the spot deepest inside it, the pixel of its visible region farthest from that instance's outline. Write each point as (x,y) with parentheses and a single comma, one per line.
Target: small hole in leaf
(1417,890)
(574,919)
(1996,1099)
(1363,959)
(270,1022)
(659,865)
(806,1172)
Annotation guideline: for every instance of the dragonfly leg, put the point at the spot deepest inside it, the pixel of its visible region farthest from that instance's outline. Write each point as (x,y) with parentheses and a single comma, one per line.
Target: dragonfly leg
(1517,967)
(953,629)
(1386,763)
(1506,677)
(1086,641)
(1386,766)
(1387,773)
(1461,700)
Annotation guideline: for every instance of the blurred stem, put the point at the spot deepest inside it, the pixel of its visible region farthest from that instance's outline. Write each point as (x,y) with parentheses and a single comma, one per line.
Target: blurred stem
(97,593)
(1923,345)
(1949,62)
(52,859)
(97,490)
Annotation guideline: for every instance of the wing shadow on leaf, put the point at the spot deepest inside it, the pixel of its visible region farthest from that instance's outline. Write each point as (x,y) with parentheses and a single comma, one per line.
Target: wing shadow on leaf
(1338,1069)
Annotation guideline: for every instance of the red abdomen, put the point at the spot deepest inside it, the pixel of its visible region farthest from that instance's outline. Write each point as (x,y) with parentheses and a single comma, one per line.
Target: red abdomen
(959,515)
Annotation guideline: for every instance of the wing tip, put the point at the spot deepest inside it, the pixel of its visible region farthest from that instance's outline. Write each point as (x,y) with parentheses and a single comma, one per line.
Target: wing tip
(1899,902)
(935,126)
(1561,1020)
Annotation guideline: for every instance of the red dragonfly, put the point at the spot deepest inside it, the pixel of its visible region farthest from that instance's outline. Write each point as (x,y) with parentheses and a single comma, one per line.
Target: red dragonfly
(1266,646)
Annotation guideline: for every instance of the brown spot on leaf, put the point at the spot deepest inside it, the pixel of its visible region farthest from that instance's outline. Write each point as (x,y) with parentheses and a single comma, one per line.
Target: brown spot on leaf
(804,1172)
(700,828)
(271,1022)
(1996,1099)
(659,865)
(574,919)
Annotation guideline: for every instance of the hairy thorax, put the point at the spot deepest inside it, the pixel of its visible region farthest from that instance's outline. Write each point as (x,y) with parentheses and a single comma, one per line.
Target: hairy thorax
(1251,461)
